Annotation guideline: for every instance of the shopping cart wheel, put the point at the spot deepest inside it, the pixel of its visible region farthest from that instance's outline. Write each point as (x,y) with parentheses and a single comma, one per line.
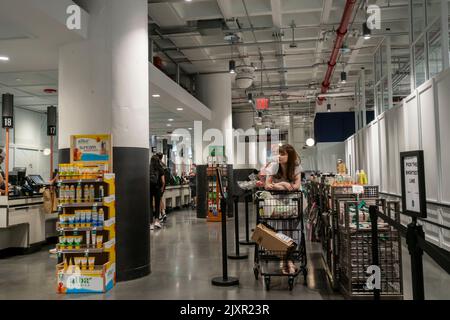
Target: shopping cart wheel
(267,283)
(256,272)
(291,283)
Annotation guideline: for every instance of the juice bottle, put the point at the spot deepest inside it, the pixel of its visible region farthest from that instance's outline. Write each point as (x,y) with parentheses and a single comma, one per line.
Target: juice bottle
(101,217)
(92,193)
(79,192)
(101,191)
(72,193)
(86,193)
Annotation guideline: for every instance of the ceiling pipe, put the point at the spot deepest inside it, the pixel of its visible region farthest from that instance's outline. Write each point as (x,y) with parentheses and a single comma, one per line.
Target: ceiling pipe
(340,36)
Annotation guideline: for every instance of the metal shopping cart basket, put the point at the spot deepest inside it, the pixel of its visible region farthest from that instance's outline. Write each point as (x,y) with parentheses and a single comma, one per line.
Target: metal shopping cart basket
(281,211)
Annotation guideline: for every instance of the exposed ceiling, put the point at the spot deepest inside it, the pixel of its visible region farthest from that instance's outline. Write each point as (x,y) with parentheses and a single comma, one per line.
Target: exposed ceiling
(192,35)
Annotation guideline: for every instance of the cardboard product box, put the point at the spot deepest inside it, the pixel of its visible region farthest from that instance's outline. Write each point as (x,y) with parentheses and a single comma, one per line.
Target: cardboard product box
(270,240)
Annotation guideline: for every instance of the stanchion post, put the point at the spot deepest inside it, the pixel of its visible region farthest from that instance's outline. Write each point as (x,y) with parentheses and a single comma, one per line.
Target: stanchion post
(247,240)
(413,233)
(224,280)
(237,255)
(375,255)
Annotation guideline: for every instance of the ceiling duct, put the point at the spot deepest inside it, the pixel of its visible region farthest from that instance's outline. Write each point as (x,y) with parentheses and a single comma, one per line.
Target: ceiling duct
(211,27)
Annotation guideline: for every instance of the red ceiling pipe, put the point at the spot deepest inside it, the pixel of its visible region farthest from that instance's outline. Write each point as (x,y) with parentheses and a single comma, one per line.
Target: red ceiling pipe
(341,32)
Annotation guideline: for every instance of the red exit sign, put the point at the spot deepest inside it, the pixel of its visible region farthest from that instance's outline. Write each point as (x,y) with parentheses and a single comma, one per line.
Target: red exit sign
(262,103)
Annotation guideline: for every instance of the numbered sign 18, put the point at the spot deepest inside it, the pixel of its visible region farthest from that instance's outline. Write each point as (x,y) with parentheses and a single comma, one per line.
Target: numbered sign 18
(8,122)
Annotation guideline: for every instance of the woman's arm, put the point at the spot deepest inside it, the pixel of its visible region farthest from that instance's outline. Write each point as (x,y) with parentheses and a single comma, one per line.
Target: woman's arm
(269,183)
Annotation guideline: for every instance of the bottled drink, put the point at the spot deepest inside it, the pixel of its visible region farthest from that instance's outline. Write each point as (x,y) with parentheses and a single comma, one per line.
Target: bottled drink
(101,192)
(86,193)
(92,193)
(72,193)
(79,192)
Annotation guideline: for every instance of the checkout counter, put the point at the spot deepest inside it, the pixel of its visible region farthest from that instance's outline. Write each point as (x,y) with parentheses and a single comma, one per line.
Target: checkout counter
(22,218)
(177,197)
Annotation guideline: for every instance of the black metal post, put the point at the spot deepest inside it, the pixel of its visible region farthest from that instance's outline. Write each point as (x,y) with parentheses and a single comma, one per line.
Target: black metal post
(237,255)
(413,233)
(225,280)
(375,257)
(247,241)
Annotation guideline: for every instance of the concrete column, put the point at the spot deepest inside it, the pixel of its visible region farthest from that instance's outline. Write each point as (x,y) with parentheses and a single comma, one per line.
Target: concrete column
(103,88)
(214,91)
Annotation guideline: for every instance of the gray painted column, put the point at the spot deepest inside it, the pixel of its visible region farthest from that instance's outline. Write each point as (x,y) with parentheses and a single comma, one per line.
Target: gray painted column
(103,88)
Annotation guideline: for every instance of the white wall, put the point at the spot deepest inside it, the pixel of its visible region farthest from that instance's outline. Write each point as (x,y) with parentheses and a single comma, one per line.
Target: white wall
(28,140)
(421,122)
(323,157)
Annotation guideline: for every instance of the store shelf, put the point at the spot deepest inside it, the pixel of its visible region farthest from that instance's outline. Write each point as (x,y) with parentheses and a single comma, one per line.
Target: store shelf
(71,181)
(81,204)
(79,229)
(83,250)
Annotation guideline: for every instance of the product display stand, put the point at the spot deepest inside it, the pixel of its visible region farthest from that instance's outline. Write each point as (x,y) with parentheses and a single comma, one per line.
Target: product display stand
(86,248)
(247,241)
(224,280)
(237,255)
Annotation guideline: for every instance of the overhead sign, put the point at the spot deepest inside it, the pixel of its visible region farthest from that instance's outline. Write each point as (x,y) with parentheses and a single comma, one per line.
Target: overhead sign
(91,149)
(262,103)
(413,184)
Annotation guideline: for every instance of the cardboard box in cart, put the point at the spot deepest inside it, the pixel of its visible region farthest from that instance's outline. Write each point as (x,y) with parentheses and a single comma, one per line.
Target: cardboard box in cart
(272,241)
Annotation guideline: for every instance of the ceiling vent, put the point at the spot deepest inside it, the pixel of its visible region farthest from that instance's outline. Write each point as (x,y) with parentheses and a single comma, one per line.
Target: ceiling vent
(211,27)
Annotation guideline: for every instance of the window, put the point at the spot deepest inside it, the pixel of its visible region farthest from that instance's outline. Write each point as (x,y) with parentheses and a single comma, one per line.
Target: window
(419,62)
(435,62)
(418,15)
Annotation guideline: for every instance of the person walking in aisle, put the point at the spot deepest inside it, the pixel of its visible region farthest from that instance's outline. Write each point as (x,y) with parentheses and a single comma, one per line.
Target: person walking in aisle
(157,186)
(193,186)
(162,208)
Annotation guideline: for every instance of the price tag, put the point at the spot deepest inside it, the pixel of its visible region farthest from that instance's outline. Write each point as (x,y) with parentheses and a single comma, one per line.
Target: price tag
(356,189)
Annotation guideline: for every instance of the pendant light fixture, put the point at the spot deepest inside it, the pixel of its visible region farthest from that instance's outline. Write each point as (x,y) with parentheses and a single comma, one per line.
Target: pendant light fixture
(367,33)
(250,97)
(232,66)
(310,141)
(329,107)
(343,77)
(232,63)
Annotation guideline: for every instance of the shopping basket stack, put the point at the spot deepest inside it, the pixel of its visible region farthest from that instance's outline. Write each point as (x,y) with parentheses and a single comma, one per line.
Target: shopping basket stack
(280,250)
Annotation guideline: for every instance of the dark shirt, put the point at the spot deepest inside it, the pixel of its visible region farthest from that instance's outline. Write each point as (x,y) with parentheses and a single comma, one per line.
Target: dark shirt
(157,170)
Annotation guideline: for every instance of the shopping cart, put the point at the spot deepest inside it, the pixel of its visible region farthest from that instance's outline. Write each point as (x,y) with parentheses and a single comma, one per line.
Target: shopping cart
(282,212)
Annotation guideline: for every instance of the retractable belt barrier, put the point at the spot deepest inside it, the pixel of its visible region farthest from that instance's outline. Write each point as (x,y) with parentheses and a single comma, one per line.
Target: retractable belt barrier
(417,245)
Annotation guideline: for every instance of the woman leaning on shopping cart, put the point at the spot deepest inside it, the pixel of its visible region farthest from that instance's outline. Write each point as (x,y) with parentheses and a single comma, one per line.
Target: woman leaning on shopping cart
(284,174)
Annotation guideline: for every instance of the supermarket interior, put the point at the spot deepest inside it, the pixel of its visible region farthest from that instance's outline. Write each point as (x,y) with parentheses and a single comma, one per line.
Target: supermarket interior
(225,150)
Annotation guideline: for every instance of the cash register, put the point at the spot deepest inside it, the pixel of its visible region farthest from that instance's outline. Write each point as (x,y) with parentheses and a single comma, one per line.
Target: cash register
(23,185)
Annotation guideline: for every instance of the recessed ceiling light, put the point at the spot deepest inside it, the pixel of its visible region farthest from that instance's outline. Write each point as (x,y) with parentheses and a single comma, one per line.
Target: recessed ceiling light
(188,0)
(170,120)
(180,109)
(4,58)
(156,96)
(169,125)
(18,79)
(190,129)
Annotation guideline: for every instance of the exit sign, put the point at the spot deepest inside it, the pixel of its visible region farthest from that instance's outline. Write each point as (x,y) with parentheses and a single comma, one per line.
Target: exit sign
(262,103)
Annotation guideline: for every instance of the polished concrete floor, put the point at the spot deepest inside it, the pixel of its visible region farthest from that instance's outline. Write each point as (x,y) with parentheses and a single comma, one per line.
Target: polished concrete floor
(186,255)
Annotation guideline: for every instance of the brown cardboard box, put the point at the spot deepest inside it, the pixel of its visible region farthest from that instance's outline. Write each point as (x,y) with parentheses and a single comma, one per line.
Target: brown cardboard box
(270,240)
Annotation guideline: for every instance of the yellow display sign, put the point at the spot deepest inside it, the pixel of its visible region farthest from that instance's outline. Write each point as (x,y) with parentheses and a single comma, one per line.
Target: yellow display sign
(91,148)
